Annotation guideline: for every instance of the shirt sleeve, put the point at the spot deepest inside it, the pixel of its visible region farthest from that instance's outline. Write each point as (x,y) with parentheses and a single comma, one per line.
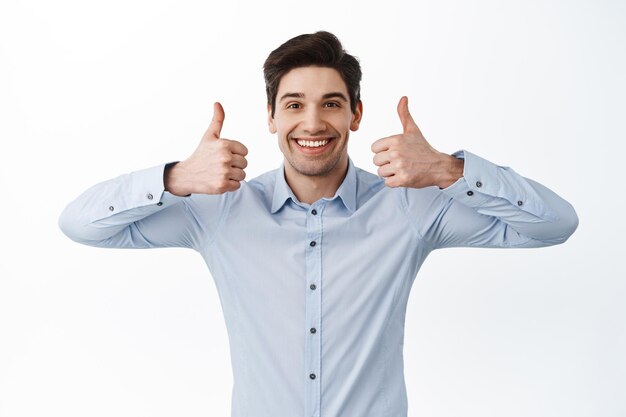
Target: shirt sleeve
(490,206)
(134,211)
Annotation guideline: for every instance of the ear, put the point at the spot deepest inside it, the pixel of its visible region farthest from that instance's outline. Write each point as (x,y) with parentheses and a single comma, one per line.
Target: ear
(356,117)
(270,120)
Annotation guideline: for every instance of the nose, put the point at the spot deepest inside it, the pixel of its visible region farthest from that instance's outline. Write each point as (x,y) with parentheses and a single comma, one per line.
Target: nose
(313,122)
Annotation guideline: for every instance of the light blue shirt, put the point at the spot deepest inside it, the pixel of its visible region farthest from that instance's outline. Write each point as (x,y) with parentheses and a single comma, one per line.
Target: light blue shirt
(314,296)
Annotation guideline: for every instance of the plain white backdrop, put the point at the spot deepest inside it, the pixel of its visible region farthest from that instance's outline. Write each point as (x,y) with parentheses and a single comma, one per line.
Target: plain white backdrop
(91,90)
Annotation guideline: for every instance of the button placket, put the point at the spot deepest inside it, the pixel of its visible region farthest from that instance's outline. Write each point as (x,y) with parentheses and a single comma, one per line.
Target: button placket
(313,308)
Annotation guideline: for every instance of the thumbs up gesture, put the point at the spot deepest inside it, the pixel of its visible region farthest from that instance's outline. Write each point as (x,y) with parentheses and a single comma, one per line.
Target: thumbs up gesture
(216,166)
(408,160)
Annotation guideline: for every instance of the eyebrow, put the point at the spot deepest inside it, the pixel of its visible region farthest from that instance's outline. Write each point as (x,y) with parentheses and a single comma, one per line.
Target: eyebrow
(335,94)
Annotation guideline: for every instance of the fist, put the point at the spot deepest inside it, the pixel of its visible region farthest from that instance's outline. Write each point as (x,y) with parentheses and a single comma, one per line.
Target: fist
(216,166)
(408,160)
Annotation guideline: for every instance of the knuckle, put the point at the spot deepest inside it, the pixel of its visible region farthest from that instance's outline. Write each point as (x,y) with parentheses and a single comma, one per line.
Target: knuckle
(233,185)
(222,185)
(223,144)
(378,145)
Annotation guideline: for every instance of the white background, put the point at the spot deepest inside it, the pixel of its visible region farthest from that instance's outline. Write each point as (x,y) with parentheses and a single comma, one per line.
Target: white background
(90,90)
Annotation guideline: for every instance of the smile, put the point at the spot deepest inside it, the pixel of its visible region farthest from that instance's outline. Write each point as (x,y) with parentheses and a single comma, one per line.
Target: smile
(312,143)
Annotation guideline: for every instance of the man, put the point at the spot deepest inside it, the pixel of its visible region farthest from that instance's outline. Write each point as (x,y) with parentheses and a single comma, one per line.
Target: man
(314,261)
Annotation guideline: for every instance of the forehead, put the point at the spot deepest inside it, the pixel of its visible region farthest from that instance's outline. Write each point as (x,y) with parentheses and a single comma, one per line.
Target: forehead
(312,82)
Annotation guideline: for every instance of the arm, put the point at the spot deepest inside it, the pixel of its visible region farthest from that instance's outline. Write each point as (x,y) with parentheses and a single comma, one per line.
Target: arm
(490,206)
(152,207)
(480,204)
(135,211)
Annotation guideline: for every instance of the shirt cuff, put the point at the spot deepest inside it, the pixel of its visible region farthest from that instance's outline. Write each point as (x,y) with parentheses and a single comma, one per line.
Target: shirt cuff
(142,189)
(482,181)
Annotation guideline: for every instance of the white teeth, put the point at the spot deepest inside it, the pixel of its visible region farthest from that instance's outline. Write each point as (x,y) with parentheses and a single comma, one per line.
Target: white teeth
(312,143)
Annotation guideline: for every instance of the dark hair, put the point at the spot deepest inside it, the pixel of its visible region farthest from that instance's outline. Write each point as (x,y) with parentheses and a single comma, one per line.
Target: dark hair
(321,49)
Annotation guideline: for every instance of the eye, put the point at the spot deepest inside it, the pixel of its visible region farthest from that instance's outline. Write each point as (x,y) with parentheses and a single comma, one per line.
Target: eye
(332,104)
(293,106)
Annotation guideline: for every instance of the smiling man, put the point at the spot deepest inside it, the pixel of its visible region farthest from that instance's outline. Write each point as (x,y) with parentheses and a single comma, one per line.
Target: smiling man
(313,122)
(314,313)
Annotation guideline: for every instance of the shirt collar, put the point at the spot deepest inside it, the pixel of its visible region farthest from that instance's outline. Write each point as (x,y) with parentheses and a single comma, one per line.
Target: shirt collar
(346,191)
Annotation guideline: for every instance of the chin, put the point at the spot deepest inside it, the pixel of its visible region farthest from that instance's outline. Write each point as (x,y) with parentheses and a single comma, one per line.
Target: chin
(322,168)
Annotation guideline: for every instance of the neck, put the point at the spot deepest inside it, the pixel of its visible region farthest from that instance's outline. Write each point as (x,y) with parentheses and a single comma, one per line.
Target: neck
(310,188)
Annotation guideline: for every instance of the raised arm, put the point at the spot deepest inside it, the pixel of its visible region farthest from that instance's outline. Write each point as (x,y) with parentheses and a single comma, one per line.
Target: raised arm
(176,204)
(464,200)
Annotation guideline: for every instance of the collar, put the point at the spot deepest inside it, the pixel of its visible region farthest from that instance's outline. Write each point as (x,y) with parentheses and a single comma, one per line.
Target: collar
(346,191)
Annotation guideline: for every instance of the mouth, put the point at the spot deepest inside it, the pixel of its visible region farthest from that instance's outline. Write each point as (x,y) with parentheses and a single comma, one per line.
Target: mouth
(313,145)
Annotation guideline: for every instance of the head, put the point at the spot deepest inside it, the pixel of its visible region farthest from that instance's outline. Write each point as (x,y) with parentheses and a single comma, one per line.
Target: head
(319,49)
(313,101)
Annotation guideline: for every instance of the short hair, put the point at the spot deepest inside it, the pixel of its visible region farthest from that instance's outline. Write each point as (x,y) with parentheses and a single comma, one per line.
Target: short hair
(321,49)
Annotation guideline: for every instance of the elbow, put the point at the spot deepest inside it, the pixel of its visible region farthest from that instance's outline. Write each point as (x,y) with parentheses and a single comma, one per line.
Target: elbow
(67,225)
(567,225)
(570,221)
(72,228)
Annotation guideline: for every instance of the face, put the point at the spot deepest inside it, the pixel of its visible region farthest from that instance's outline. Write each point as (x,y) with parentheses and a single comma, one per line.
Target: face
(313,121)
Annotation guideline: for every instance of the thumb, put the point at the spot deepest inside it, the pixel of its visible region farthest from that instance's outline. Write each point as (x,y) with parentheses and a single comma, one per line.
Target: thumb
(408,124)
(215,128)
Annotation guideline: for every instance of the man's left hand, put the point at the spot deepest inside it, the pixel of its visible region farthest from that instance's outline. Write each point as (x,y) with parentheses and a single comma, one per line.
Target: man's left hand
(408,160)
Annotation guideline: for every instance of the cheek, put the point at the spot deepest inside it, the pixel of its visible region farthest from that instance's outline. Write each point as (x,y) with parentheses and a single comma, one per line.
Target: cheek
(343,122)
(284,129)
(282,136)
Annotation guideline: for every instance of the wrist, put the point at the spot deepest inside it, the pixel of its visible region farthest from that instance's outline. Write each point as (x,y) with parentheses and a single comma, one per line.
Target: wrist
(172,180)
(452,170)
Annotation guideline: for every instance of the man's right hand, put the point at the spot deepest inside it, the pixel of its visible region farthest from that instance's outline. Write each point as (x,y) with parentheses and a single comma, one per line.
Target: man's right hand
(216,166)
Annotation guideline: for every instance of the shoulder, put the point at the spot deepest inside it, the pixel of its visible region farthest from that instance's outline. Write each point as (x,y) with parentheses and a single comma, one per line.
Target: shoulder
(263,180)
(369,184)
(262,184)
(367,179)
(254,194)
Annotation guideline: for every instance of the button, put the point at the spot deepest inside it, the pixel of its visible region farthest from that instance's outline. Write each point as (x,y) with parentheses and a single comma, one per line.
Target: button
(520,202)
(470,193)
(159,203)
(479,184)
(111,208)
(314,212)
(312,376)
(313,287)
(313,330)
(149,196)
(312,243)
